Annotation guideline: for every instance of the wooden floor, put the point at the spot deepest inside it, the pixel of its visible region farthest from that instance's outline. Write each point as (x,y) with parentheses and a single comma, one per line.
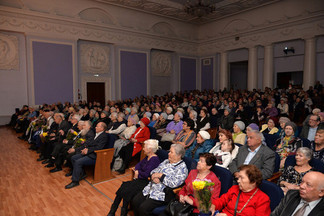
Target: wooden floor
(28,188)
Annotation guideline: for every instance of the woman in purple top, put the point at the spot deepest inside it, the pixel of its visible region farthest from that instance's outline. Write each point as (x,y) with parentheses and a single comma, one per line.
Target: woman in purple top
(142,171)
(175,126)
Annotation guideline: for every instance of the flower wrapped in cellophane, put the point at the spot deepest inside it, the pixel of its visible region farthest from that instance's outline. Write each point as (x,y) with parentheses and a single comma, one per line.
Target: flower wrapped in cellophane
(203,192)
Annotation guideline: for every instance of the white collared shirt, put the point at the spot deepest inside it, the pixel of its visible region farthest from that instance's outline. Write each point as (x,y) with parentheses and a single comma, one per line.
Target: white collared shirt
(251,155)
(97,134)
(309,208)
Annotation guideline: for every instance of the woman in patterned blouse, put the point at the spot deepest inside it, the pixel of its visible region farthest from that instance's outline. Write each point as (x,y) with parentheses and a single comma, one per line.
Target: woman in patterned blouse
(318,145)
(292,175)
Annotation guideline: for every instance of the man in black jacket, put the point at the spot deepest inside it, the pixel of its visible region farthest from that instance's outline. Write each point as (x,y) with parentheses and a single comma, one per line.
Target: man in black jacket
(306,201)
(87,155)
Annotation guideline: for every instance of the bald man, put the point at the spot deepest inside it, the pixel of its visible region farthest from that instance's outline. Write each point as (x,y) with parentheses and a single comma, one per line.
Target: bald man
(309,198)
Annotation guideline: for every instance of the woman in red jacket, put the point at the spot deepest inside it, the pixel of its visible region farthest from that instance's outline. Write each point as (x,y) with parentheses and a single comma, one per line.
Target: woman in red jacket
(141,134)
(251,200)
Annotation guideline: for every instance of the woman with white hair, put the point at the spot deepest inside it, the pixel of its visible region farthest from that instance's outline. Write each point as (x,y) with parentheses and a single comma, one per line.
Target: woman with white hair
(292,175)
(142,171)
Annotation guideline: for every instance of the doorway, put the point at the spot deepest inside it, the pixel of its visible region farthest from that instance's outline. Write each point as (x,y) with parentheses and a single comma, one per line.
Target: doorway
(238,75)
(96,92)
(286,78)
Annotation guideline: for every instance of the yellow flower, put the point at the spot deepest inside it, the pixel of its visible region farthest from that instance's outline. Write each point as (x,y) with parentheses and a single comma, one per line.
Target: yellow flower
(45,134)
(82,140)
(75,133)
(198,185)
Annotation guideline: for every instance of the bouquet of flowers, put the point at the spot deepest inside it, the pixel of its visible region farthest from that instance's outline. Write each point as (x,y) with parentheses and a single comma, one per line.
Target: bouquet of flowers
(44,137)
(71,135)
(78,142)
(203,190)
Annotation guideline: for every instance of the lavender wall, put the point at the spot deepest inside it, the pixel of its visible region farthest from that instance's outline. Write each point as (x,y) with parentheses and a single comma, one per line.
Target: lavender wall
(133,74)
(53,72)
(207,74)
(187,74)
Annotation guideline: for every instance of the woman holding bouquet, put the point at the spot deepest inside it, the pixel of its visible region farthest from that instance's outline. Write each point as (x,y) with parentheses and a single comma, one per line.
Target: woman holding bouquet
(202,173)
(251,200)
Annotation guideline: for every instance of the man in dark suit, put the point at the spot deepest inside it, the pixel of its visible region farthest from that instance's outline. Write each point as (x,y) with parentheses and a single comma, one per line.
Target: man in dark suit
(308,200)
(309,130)
(87,155)
(255,153)
(55,136)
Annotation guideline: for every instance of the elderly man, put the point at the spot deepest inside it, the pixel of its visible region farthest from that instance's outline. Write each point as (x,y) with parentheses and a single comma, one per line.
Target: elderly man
(255,153)
(309,131)
(87,155)
(306,201)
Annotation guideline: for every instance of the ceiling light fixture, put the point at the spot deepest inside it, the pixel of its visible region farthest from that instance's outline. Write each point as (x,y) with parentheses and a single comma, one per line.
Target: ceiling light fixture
(199,8)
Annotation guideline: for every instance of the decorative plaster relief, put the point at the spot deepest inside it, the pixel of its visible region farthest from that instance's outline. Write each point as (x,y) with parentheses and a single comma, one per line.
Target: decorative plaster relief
(163,28)
(161,63)
(94,58)
(9,59)
(96,15)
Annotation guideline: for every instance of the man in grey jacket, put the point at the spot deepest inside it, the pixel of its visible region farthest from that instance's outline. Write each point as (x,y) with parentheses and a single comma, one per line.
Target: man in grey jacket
(255,153)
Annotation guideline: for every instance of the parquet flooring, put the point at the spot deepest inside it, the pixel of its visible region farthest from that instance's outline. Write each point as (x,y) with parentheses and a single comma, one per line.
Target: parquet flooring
(28,188)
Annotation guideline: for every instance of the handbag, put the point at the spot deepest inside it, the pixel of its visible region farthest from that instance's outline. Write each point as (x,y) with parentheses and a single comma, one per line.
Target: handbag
(176,208)
(167,137)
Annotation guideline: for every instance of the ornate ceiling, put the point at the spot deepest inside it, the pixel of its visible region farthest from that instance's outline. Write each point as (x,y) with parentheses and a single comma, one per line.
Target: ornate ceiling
(175,8)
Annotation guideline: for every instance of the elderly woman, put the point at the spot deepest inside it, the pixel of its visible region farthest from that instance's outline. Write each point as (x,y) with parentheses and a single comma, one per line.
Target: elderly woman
(141,173)
(292,175)
(318,145)
(202,144)
(282,123)
(118,126)
(154,119)
(161,124)
(289,144)
(193,116)
(171,173)
(128,151)
(224,135)
(283,107)
(251,200)
(258,116)
(203,120)
(186,137)
(173,128)
(238,135)
(271,109)
(270,127)
(186,194)
(227,120)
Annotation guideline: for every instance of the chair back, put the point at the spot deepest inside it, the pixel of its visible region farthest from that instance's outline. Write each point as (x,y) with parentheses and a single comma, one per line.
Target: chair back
(277,163)
(270,139)
(152,132)
(212,132)
(306,142)
(273,191)
(225,177)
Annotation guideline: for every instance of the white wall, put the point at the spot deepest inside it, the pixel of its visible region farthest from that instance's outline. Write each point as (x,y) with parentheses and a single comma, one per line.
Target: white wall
(13,82)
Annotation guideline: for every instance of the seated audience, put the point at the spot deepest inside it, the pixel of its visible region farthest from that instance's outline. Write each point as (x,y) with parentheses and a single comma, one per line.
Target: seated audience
(292,175)
(270,127)
(245,198)
(271,110)
(171,173)
(134,147)
(283,107)
(227,120)
(193,116)
(256,154)
(282,123)
(87,155)
(238,135)
(224,135)
(173,128)
(154,119)
(308,200)
(289,144)
(142,171)
(224,154)
(203,121)
(214,118)
(161,124)
(318,145)
(118,126)
(186,194)
(258,117)
(186,137)
(202,144)
(309,130)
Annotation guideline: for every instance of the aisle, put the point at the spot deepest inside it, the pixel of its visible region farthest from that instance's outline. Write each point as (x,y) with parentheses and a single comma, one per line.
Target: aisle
(28,188)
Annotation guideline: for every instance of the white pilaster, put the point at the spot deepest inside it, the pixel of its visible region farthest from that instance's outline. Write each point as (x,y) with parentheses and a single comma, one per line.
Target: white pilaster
(268,67)
(223,76)
(252,81)
(309,63)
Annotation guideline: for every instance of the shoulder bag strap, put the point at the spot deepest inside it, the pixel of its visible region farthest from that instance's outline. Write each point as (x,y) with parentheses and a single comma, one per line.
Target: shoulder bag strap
(237,200)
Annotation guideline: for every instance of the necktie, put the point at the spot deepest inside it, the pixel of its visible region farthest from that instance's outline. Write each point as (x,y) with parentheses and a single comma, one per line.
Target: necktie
(301,211)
